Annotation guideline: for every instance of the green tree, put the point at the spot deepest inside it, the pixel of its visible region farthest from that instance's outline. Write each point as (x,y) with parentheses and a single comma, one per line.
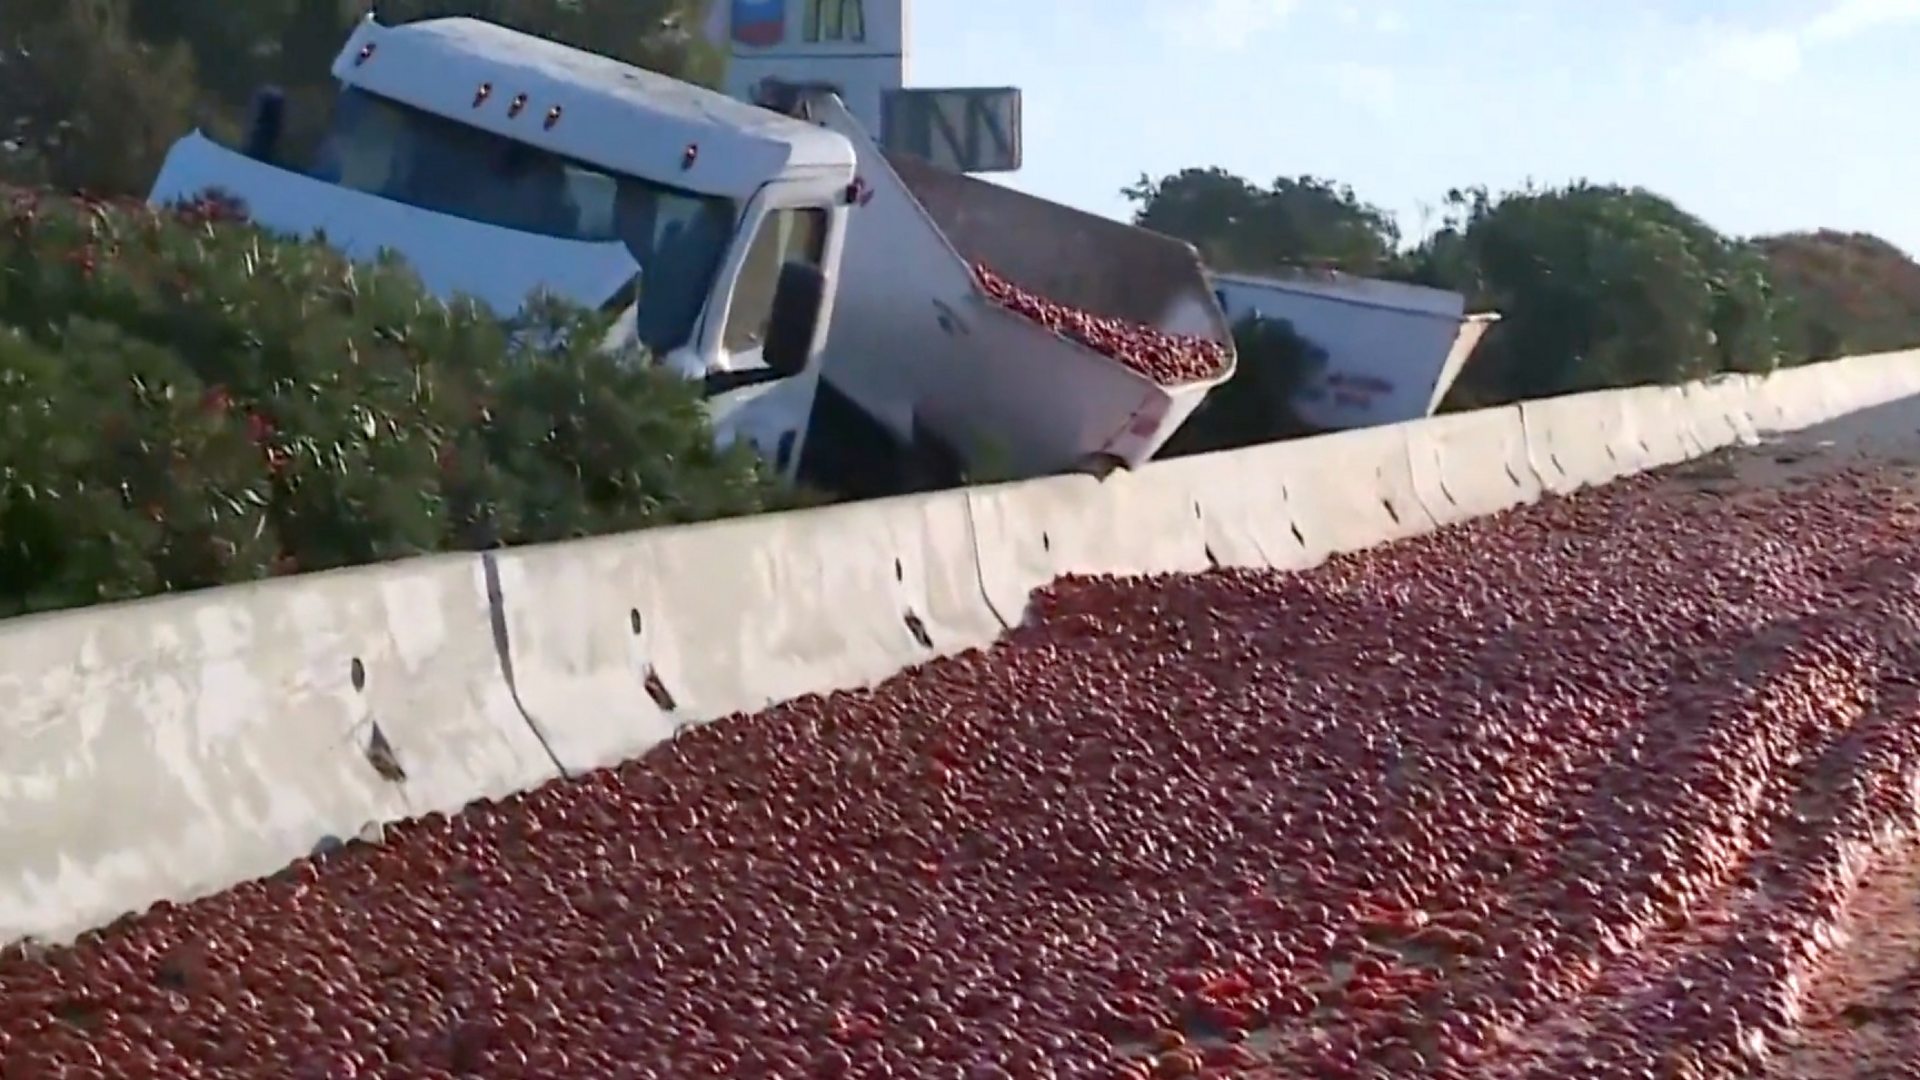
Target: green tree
(236,46)
(92,92)
(1600,286)
(1846,293)
(86,105)
(293,42)
(1291,223)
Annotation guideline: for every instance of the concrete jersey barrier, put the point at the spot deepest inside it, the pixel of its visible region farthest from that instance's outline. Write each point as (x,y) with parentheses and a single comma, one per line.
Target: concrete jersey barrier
(617,642)
(1469,465)
(168,748)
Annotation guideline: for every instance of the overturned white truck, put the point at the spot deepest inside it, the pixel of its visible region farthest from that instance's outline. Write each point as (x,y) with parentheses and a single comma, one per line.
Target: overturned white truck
(1393,350)
(824,292)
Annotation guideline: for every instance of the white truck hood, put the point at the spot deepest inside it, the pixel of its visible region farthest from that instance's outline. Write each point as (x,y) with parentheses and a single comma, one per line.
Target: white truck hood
(499,267)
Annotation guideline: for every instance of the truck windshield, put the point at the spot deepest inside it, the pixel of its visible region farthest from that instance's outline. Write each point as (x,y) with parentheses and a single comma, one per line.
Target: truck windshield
(677,237)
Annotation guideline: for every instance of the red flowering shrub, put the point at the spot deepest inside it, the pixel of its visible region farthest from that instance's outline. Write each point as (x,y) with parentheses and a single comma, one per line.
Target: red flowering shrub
(186,400)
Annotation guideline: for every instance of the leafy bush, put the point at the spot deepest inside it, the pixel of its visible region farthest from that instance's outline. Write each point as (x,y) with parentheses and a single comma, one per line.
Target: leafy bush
(1600,286)
(186,400)
(82,103)
(1291,223)
(1846,293)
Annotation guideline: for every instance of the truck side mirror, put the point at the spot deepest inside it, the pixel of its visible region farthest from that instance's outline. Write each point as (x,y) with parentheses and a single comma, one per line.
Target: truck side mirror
(265,119)
(794,319)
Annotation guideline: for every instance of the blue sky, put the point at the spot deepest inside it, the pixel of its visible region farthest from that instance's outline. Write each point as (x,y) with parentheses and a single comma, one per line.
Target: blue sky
(1759,115)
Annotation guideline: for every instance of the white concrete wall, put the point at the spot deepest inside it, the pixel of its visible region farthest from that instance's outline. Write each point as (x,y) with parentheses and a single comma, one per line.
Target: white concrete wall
(168,748)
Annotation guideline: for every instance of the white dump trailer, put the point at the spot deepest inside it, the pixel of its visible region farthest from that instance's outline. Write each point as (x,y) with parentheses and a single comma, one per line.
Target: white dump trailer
(1393,350)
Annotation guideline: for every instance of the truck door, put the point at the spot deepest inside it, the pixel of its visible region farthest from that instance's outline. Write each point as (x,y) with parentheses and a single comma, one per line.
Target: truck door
(768,411)
(783,235)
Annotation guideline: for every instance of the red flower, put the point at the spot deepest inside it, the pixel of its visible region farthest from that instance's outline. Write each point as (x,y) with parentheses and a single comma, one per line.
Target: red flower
(259,428)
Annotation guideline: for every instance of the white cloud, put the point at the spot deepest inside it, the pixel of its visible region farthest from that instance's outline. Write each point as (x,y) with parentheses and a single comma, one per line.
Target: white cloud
(1227,24)
(1775,54)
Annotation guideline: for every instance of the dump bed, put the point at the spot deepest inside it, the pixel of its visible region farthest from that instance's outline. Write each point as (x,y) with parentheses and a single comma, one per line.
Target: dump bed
(1083,260)
(917,342)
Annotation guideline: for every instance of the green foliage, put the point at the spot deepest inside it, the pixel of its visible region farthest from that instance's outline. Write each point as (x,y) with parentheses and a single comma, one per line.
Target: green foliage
(116,482)
(1255,405)
(1600,286)
(1303,222)
(92,92)
(83,104)
(189,401)
(1846,293)
(596,442)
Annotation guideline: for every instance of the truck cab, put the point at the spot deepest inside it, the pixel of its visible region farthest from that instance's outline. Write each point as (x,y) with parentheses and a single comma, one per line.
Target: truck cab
(500,164)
